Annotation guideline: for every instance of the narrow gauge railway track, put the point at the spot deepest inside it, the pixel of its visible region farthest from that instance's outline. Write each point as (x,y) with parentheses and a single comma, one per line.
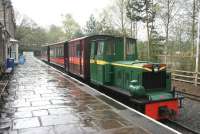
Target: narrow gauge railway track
(180,127)
(189,96)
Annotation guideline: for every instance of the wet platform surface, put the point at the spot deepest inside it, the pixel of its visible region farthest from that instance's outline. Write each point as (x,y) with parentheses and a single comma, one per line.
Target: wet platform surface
(42,101)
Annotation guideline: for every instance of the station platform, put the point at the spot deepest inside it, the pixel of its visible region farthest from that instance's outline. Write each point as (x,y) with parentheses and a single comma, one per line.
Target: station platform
(43,100)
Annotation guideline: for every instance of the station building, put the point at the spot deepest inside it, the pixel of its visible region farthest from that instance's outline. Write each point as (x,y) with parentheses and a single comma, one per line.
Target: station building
(8,43)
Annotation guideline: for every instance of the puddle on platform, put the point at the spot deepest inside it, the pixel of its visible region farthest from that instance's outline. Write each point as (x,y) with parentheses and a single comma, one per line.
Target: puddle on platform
(53,80)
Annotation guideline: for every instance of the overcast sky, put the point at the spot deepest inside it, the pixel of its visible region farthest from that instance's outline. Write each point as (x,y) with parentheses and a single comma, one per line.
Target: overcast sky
(47,12)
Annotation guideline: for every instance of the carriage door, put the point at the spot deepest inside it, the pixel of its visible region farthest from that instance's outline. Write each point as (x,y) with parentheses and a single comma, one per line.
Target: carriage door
(96,66)
(93,66)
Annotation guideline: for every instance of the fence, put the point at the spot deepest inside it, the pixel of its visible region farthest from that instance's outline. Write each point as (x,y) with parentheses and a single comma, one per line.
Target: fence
(186,76)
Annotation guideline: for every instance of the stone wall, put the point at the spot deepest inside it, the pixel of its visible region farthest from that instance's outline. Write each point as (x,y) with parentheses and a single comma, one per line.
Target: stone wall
(9,16)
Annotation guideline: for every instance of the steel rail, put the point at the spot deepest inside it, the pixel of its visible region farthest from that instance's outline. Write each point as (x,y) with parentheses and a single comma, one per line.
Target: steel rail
(182,126)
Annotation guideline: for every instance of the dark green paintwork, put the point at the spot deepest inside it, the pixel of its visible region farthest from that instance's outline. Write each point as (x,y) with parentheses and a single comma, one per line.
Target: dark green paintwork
(113,70)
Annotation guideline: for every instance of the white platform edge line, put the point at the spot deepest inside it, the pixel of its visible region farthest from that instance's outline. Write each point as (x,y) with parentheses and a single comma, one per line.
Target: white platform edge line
(147,117)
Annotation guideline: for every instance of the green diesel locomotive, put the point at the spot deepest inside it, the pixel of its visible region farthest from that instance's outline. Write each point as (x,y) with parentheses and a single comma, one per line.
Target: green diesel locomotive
(115,66)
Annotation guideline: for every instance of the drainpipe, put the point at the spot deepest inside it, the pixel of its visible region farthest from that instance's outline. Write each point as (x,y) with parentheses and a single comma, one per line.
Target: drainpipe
(4,12)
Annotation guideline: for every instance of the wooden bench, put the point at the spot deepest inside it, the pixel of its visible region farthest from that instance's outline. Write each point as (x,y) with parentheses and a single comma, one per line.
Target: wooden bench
(3,88)
(5,74)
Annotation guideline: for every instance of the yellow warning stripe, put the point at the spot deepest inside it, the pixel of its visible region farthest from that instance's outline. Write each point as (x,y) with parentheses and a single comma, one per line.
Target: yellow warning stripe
(101,62)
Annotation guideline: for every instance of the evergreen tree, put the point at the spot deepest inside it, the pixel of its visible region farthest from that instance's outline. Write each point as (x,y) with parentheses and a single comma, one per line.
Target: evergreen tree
(91,26)
(145,11)
(134,10)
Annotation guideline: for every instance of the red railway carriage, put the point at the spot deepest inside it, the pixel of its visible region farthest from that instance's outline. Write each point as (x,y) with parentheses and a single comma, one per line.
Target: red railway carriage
(78,57)
(57,54)
(44,54)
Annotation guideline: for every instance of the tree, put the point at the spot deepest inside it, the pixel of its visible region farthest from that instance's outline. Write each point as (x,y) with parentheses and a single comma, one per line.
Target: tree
(145,11)
(167,14)
(29,33)
(149,18)
(133,12)
(195,8)
(70,26)
(119,13)
(55,34)
(105,22)
(91,26)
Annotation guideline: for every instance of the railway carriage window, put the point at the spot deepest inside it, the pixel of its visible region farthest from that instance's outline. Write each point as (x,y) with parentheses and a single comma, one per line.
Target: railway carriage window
(110,48)
(74,50)
(60,51)
(51,53)
(58,54)
(78,50)
(100,48)
(56,51)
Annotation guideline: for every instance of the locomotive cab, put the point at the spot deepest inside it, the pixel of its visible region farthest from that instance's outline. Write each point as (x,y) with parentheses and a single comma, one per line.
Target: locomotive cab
(104,51)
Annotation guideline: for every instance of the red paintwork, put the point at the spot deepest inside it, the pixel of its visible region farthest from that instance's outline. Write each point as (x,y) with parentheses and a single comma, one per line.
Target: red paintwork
(152,109)
(59,61)
(75,60)
(78,57)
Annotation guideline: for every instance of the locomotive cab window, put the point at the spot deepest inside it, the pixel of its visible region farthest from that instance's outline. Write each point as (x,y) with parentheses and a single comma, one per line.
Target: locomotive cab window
(130,48)
(93,49)
(100,48)
(110,48)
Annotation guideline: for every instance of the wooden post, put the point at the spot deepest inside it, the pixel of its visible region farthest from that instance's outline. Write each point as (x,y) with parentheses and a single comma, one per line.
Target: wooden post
(197,53)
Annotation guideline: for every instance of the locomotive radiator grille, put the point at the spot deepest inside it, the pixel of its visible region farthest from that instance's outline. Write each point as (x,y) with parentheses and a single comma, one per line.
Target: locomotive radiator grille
(154,80)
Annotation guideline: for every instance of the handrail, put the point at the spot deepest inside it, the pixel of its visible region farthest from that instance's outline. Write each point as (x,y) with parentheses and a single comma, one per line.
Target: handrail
(192,77)
(187,81)
(182,71)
